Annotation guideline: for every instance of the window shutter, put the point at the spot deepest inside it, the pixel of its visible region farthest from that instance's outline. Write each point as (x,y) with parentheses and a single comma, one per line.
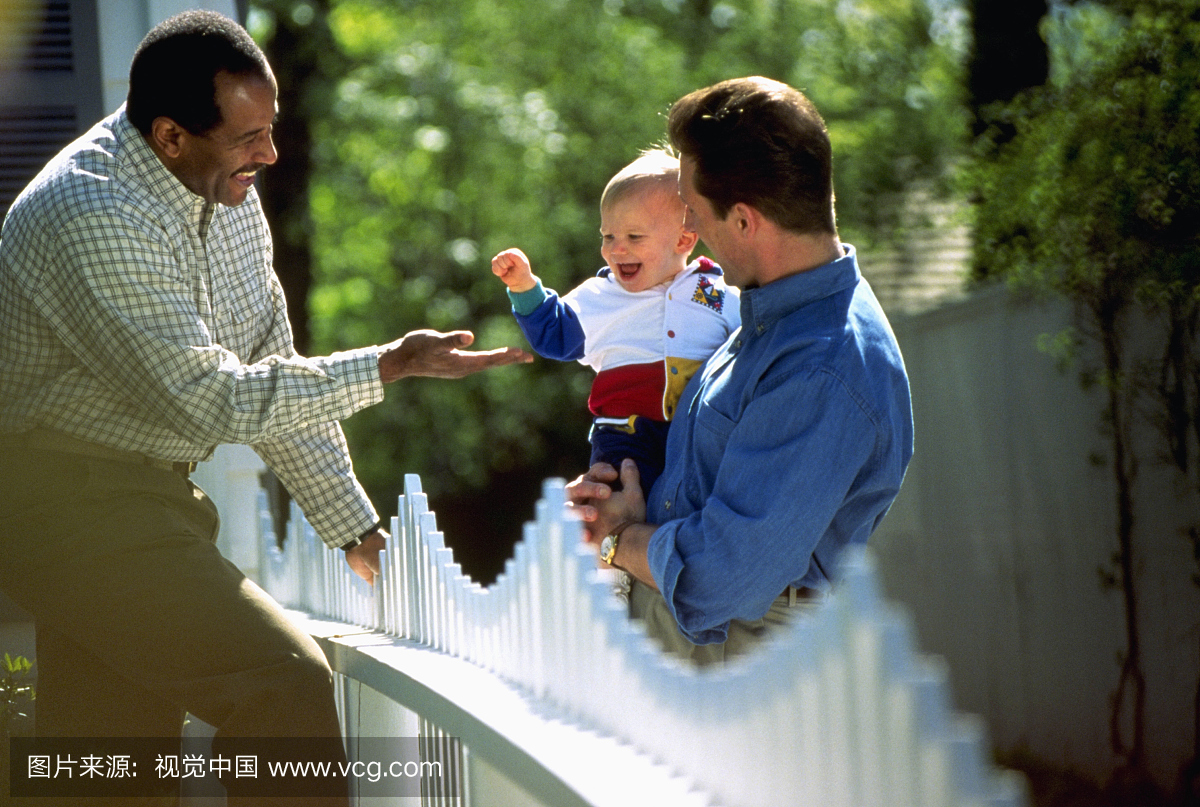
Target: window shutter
(49,84)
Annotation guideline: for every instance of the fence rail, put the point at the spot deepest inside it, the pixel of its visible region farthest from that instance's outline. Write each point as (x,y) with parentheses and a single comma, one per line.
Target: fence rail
(543,675)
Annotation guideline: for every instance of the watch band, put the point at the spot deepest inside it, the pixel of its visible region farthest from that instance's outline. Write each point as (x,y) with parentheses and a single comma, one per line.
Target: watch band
(353,542)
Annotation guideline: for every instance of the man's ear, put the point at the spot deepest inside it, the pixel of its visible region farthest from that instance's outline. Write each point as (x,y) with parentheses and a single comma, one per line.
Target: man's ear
(747,218)
(167,136)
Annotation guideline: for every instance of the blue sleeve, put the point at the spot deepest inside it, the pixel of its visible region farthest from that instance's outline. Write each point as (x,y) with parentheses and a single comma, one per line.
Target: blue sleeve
(786,498)
(551,326)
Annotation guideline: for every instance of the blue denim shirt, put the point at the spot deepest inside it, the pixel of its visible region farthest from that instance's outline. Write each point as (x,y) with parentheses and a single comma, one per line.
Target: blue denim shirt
(788,445)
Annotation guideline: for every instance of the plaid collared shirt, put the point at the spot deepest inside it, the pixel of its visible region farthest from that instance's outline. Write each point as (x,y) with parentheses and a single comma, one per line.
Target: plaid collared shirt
(136,315)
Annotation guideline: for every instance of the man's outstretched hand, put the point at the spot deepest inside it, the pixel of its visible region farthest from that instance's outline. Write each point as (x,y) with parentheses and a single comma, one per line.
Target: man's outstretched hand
(437,355)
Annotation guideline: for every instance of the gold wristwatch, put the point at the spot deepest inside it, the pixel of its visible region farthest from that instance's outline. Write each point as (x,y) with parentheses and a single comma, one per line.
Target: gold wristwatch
(608,547)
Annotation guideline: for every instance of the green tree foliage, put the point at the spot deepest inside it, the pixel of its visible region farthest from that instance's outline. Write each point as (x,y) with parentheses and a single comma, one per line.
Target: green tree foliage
(1099,196)
(1097,199)
(468,126)
(15,694)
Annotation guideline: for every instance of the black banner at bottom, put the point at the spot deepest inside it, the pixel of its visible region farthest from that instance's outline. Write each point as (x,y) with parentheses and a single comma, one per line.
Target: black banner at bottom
(265,767)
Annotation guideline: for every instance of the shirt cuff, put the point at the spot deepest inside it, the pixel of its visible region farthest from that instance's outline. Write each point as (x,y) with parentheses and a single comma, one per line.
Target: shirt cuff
(358,540)
(359,371)
(337,526)
(526,302)
(666,566)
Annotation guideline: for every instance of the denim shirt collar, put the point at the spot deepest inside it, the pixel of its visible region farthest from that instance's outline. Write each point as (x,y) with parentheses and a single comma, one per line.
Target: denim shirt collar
(762,307)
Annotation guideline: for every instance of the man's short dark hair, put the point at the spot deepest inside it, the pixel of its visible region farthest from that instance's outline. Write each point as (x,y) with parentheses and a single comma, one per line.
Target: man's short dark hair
(760,142)
(174,68)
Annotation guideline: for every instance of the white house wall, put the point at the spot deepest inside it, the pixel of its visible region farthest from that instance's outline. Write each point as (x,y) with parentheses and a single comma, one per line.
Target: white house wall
(122,25)
(1004,520)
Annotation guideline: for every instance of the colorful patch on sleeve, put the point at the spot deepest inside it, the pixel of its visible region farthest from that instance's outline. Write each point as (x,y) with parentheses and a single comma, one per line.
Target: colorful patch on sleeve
(708,294)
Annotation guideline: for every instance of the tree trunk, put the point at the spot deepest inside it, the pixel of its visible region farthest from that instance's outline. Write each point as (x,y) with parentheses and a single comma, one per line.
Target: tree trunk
(1129,699)
(1008,54)
(302,53)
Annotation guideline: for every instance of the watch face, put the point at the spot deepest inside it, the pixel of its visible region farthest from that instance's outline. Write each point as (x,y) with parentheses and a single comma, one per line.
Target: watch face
(607,550)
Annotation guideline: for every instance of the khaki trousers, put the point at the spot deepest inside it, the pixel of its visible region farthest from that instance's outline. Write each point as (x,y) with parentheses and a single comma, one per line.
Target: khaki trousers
(647,605)
(139,618)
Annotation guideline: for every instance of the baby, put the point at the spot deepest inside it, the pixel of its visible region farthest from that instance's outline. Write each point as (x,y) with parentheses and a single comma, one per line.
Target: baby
(644,323)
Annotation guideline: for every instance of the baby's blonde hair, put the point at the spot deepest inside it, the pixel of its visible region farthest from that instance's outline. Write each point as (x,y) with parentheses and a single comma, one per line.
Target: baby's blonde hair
(655,169)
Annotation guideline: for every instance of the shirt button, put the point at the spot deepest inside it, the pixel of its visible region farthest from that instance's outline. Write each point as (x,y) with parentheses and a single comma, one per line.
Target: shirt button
(671,334)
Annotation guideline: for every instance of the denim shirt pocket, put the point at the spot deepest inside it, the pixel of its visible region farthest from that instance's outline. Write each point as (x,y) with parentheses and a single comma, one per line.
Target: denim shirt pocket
(713,422)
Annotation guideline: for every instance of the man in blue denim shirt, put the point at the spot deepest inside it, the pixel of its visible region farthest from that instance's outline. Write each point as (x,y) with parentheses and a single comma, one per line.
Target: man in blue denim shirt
(792,441)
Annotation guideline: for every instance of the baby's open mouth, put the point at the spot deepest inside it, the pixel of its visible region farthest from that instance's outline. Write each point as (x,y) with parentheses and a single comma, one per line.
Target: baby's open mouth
(628,270)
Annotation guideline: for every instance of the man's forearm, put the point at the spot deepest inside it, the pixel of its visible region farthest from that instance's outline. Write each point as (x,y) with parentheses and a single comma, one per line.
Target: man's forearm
(632,553)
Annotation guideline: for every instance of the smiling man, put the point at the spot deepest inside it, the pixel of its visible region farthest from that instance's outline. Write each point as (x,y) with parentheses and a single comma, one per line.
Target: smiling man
(791,442)
(142,324)
(222,164)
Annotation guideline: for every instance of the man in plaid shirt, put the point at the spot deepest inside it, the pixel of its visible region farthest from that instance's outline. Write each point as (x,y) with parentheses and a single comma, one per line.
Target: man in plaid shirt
(141,325)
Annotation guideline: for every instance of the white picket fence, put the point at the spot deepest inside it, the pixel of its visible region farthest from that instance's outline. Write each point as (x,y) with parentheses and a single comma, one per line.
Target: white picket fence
(839,711)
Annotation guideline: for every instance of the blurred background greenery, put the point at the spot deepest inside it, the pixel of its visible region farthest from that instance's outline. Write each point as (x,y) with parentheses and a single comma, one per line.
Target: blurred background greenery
(417,139)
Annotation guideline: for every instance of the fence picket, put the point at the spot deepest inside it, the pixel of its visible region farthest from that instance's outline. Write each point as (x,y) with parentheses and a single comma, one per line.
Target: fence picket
(839,709)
